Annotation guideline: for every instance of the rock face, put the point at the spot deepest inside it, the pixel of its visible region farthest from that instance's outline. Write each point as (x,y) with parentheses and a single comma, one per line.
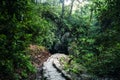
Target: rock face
(49,70)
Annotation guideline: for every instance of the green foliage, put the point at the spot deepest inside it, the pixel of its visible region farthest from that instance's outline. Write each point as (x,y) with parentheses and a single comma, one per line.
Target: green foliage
(108,41)
(97,46)
(20,25)
(104,60)
(94,40)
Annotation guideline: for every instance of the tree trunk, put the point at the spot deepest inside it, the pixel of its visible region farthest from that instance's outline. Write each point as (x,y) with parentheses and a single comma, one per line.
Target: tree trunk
(71,7)
(91,15)
(63,9)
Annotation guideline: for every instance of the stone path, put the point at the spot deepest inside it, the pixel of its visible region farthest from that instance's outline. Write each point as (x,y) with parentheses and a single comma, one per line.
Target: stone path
(49,71)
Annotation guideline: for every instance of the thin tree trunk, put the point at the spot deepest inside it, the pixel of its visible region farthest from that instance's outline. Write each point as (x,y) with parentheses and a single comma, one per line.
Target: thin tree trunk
(63,3)
(71,8)
(91,15)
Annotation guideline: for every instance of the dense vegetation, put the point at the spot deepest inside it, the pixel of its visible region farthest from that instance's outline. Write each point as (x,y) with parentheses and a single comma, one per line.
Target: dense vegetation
(21,24)
(90,34)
